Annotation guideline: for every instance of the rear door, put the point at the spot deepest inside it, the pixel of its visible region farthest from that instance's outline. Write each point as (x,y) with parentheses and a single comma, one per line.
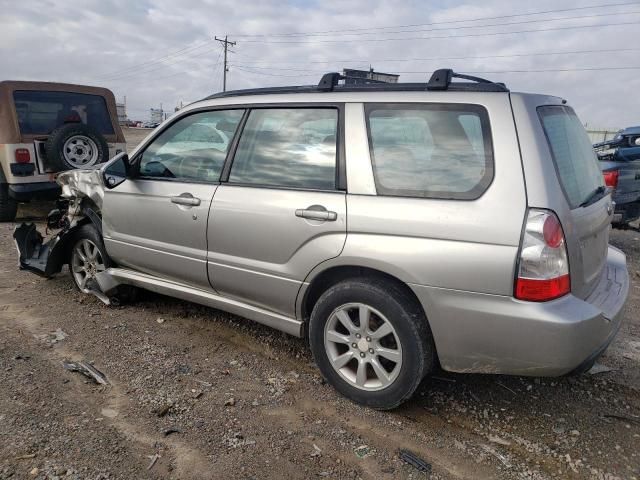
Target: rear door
(586,223)
(280,211)
(157,222)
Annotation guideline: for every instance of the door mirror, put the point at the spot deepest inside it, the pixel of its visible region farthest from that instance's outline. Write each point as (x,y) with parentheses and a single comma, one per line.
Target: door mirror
(116,170)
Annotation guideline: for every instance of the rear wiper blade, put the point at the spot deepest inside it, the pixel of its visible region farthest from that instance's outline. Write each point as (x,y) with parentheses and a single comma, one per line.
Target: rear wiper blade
(594,196)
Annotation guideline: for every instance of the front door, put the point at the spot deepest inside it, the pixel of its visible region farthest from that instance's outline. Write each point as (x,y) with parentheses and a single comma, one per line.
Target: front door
(157,222)
(280,213)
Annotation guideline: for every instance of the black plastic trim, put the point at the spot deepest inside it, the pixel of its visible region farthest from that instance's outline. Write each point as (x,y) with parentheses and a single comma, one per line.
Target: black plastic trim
(23,192)
(22,169)
(440,80)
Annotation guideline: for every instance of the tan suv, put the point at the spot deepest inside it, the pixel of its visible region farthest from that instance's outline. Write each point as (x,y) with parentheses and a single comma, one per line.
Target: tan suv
(46,128)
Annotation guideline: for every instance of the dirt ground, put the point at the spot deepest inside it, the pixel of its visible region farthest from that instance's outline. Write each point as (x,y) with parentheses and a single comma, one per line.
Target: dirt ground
(199,393)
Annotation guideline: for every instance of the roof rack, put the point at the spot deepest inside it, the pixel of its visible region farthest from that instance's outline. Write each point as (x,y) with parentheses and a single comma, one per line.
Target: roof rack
(330,82)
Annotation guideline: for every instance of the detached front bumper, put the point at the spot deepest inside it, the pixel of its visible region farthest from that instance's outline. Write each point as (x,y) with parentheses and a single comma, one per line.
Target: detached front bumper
(483,333)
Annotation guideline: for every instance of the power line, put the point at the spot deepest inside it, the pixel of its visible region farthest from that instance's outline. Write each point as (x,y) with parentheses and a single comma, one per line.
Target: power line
(177,53)
(153,68)
(483,34)
(469,57)
(502,24)
(331,32)
(544,70)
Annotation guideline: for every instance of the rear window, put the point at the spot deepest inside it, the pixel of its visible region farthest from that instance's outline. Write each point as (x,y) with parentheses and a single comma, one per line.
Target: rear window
(576,161)
(430,150)
(40,112)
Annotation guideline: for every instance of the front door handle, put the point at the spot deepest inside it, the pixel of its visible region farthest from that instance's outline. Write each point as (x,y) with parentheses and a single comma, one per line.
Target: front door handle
(316,212)
(186,199)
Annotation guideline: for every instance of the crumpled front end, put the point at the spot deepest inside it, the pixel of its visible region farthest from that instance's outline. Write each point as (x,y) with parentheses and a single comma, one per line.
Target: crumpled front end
(80,203)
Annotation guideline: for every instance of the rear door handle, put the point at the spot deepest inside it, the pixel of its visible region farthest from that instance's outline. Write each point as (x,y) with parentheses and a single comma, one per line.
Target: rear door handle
(316,212)
(186,199)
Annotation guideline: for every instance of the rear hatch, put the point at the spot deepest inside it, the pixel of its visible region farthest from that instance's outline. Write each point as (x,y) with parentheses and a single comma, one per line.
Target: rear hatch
(586,221)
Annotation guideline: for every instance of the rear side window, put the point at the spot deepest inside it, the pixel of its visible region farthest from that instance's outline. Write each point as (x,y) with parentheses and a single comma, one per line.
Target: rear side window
(286,147)
(576,161)
(430,150)
(41,112)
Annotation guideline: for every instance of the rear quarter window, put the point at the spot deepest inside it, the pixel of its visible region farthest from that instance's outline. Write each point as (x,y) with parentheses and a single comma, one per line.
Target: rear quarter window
(41,112)
(574,157)
(430,150)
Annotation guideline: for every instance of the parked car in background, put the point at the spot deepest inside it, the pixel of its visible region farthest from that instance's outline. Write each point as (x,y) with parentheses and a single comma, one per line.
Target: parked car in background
(46,128)
(620,164)
(395,227)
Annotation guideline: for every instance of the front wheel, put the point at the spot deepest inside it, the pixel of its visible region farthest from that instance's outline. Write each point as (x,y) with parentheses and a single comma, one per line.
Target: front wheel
(88,257)
(371,341)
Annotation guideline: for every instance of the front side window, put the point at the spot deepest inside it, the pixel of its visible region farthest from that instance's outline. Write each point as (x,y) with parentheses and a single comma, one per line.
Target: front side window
(288,147)
(41,112)
(572,152)
(430,150)
(194,148)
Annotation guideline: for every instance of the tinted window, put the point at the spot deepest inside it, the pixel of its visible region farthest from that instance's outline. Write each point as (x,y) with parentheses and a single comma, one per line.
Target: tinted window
(194,148)
(42,112)
(430,150)
(288,148)
(572,152)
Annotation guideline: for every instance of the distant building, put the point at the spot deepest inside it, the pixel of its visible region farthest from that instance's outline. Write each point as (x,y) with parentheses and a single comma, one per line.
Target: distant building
(121,109)
(156,115)
(357,75)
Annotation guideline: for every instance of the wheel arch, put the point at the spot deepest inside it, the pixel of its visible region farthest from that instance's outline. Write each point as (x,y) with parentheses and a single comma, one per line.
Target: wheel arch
(331,275)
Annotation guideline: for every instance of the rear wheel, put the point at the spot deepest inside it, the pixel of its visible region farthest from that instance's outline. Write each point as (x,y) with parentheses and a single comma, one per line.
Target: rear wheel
(8,205)
(371,341)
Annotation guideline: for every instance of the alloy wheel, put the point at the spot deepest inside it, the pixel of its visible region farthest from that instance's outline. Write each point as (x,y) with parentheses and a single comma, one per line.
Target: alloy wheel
(86,262)
(363,347)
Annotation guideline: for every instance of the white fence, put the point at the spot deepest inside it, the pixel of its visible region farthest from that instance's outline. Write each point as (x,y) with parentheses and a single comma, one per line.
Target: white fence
(601,134)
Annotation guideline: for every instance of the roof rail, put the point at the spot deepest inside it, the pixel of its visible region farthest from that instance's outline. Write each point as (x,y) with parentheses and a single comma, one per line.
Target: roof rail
(441,80)
(330,82)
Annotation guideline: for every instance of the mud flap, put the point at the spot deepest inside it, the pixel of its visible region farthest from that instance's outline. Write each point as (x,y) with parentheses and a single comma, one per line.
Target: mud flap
(44,259)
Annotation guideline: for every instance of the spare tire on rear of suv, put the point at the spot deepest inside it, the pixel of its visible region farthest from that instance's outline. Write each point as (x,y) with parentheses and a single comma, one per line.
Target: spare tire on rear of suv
(75,145)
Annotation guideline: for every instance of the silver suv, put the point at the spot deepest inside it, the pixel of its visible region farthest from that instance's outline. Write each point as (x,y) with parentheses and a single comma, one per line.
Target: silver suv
(396,227)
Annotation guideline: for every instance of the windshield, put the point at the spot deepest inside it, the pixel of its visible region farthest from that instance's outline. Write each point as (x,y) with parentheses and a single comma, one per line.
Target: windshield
(574,156)
(41,112)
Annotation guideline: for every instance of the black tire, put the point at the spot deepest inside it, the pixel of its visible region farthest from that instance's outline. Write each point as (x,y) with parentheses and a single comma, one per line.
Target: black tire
(8,205)
(406,317)
(124,294)
(87,232)
(54,147)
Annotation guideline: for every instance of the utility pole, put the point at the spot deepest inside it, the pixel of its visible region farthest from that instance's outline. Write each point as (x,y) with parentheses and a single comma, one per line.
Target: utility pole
(226,44)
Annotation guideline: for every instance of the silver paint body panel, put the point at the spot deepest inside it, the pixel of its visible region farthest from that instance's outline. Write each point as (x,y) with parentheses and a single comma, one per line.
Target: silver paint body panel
(248,253)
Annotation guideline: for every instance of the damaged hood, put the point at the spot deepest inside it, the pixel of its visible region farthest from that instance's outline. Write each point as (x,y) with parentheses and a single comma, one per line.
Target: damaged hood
(83,183)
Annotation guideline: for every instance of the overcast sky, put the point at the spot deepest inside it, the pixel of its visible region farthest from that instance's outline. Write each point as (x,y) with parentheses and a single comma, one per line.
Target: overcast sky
(162,51)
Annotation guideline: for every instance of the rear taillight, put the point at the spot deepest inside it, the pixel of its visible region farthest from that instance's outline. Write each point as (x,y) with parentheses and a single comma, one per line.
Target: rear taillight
(22,155)
(543,267)
(611,178)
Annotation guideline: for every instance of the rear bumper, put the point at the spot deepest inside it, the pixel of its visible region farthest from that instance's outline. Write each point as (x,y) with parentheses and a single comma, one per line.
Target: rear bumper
(483,333)
(23,192)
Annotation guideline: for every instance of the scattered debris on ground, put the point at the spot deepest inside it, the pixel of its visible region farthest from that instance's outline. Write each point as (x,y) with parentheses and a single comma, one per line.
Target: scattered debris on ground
(87,370)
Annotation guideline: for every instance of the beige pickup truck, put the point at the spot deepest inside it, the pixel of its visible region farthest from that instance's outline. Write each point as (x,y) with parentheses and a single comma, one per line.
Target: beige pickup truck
(46,128)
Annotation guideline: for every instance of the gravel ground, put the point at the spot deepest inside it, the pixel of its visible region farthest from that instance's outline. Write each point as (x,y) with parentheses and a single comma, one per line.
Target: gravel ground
(198,393)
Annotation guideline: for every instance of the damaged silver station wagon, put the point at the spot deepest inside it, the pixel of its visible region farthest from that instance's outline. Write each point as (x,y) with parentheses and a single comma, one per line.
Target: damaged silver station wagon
(394,226)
